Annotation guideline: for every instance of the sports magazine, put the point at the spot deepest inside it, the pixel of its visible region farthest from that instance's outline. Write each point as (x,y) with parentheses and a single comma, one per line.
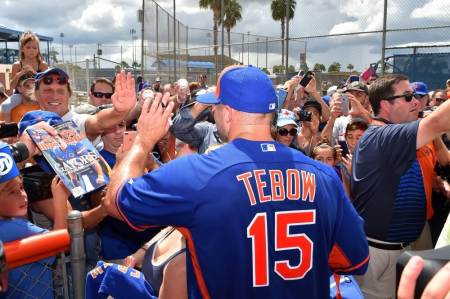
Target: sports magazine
(74,159)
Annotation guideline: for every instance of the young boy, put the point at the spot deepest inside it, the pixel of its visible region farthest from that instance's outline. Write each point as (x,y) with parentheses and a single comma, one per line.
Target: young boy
(34,279)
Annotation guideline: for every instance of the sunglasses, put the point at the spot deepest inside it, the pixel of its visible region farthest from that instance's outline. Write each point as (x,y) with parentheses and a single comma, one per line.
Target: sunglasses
(49,80)
(99,94)
(408,97)
(440,100)
(285,132)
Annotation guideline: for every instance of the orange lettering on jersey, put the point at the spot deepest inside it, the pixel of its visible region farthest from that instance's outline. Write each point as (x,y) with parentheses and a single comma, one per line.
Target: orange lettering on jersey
(308,186)
(292,184)
(260,185)
(245,177)
(277,185)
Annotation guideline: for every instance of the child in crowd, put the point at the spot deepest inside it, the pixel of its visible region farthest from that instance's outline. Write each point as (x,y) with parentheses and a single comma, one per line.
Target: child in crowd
(34,279)
(30,59)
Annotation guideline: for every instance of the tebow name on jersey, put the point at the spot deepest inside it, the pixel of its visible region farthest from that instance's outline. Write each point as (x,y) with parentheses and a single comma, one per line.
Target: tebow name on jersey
(291,184)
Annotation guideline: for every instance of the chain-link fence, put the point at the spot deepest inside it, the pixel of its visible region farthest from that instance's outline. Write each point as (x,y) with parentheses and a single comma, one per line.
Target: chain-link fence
(341,37)
(39,268)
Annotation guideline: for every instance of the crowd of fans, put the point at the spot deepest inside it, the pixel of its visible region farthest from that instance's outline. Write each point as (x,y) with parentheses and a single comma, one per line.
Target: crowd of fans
(385,138)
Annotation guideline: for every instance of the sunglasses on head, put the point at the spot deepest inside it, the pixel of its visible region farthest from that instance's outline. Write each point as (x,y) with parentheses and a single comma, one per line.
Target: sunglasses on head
(49,80)
(99,94)
(285,132)
(408,97)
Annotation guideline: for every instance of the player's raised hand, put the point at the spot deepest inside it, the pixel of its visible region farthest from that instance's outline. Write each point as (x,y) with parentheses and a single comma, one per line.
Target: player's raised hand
(154,121)
(124,97)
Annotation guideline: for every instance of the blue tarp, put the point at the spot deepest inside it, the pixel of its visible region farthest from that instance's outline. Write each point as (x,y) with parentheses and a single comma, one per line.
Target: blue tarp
(431,68)
(189,64)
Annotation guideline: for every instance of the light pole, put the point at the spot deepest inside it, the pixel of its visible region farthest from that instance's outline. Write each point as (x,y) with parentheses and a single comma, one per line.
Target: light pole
(61,35)
(132,32)
(208,35)
(257,52)
(248,47)
(70,50)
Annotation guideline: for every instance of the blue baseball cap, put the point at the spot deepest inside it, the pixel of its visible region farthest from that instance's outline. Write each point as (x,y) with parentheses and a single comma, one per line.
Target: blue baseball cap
(54,70)
(8,167)
(207,97)
(33,117)
(246,89)
(419,88)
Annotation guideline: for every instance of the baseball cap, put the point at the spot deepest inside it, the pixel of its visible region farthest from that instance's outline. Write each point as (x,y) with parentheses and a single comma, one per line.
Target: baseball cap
(158,79)
(331,90)
(33,117)
(286,117)
(246,89)
(183,83)
(314,104)
(358,86)
(207,96)
(8,167)
(55,70)
(419,88)
(25,77)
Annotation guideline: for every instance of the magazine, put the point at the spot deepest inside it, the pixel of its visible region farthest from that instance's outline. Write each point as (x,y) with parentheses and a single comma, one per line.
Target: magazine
(74,159)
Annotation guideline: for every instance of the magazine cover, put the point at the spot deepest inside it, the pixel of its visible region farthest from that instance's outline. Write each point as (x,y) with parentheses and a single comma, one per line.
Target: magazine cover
(74,159)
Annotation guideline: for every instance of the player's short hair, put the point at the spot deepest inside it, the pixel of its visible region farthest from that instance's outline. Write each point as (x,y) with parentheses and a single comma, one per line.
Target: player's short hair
(382,88)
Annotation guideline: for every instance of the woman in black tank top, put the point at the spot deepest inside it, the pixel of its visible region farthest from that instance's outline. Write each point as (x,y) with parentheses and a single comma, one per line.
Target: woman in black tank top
(30,59)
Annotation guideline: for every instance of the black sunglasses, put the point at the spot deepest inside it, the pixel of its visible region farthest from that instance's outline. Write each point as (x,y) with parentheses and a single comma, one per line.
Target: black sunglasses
(62,80)
(440,100)
(99,94)
(408,97)
(285,132)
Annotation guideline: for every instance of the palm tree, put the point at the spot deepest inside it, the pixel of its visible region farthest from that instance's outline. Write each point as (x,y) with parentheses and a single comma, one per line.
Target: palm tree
(232,16)
(278,8)
(214,5)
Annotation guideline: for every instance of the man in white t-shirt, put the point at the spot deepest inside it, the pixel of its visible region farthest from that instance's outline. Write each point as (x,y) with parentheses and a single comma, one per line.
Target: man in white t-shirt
(53,91)
(358,99)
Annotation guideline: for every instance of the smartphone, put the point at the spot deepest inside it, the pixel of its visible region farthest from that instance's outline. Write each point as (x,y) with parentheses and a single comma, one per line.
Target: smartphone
(281,96)
(9,130)
(345,104)
(344,147)
(306,78)
(301,73)
(128,139)
(304,115)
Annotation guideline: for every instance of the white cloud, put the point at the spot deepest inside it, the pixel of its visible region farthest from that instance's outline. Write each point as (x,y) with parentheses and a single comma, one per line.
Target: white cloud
(98,14)
(432,9)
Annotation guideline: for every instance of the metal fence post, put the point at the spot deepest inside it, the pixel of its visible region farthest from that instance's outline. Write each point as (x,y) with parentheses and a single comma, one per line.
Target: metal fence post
(87,76)
(77,253)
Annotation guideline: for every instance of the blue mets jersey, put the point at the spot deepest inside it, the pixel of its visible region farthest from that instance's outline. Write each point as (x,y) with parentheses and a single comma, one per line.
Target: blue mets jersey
(261,220)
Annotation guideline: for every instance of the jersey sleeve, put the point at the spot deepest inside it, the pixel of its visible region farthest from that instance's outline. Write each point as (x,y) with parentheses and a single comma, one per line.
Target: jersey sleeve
(166,196)
(350,252)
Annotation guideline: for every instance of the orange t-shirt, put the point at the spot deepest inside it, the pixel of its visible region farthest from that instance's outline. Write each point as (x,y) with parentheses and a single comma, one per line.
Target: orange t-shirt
(18,111)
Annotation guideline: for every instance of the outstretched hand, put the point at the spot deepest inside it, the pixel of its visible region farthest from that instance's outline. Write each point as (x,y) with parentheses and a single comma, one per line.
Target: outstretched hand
(154,121)
(124,97)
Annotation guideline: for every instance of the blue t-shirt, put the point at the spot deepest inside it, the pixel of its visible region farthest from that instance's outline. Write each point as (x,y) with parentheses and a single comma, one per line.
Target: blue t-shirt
(261,220)
(32,280)
(387,184)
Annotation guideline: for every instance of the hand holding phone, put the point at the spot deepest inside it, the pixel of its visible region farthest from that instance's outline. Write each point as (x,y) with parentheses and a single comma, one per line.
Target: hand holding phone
(306,79)
(345,104)
(128,140)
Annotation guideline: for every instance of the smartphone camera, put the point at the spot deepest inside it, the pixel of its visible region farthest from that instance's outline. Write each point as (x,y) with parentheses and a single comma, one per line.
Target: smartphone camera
(306,79)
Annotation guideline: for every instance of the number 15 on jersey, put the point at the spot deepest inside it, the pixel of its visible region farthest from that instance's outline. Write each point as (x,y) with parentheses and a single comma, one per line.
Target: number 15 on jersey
(257,231)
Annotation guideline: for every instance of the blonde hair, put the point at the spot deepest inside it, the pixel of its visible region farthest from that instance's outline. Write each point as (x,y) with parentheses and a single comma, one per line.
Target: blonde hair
(25,38)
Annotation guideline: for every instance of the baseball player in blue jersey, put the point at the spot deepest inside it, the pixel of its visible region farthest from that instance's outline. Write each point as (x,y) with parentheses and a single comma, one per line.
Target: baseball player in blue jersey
(261,220)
